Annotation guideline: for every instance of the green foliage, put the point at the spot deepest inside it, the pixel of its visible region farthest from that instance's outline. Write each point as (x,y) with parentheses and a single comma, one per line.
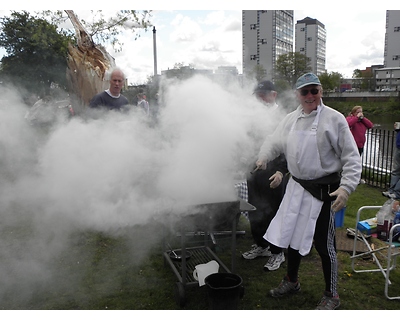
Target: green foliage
(258,73)
(36,53)
(363,80)
(391,107)
(290,66)
(282,85)
(330,81)
(357,73)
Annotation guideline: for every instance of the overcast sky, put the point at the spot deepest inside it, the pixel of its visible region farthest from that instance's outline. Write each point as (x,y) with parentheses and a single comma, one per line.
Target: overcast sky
(211,35)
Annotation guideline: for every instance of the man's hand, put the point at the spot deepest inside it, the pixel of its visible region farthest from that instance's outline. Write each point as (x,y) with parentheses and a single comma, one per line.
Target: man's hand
(276,179)
(261,164)
(341,199)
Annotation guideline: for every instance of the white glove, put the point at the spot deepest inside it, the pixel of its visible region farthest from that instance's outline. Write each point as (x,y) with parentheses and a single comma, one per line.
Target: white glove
(341,200)
(276,179)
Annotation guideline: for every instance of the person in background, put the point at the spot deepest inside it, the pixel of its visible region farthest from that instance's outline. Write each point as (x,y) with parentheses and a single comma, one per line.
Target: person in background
(111,99)
(142,103)
(394,189)
(265,191)
(358,126)
(325,169)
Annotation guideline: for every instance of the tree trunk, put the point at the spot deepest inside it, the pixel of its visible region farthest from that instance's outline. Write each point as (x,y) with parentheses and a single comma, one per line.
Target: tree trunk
(87,64)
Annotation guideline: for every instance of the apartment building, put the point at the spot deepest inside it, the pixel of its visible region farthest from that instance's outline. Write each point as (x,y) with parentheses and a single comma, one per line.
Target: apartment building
(310,39)
(392,39)
(266,35)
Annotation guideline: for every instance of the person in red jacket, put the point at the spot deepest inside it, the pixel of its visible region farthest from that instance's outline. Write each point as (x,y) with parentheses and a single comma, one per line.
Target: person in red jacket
(358,126)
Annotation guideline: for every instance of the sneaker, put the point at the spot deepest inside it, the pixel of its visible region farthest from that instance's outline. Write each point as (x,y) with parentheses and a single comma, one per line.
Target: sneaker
(362,181)
(328,302)
(256,251)
(274,262)
(385,193)
(389,194)
(285,287)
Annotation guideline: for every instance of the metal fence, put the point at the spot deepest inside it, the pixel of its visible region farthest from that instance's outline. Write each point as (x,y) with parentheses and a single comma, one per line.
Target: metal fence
(377,157)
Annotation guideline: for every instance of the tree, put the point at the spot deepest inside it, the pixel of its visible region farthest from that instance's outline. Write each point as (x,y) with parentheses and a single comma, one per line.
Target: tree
(258,73)
(282,85)
(291,66)
(357,73)
(363,79)
(181,71)
(35,52)
(181,65)
(104,30)
(330,81)
(53,48)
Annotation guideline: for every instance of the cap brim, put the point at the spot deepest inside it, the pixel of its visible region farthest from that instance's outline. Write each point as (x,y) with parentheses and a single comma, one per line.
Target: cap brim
(308,84)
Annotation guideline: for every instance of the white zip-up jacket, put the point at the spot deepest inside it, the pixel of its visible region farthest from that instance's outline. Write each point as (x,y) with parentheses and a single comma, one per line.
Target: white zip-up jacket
(337,149)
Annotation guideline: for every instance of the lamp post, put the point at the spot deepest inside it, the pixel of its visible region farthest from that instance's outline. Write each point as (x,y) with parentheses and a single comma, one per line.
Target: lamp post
(155,50)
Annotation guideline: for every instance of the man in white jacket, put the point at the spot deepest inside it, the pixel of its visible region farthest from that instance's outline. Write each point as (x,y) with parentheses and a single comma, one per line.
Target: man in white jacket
(325,168)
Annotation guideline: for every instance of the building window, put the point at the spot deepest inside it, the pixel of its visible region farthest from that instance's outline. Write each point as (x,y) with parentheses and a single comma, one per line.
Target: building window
(396,29)
(263,41)
(301,49)
(396,57)
(253,27)
(253,57)
(302,29)
(309,39)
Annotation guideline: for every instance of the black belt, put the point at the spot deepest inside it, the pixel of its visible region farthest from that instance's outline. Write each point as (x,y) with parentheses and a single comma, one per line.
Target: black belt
(321,188)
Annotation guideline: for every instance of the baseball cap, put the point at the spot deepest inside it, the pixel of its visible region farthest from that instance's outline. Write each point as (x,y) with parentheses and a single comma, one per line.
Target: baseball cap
(264,86)
(306,80)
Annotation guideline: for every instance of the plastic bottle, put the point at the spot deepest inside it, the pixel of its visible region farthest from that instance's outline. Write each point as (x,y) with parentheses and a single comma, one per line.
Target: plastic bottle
(384,219)
(384,212)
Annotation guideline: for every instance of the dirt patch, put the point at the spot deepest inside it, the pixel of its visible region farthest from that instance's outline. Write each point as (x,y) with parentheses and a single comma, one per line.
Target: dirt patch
(346,243)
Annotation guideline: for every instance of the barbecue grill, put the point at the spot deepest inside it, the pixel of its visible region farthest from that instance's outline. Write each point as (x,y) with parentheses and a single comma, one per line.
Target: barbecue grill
(206,220)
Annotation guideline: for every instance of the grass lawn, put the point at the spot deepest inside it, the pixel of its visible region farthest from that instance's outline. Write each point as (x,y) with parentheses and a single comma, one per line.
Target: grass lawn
(97,271)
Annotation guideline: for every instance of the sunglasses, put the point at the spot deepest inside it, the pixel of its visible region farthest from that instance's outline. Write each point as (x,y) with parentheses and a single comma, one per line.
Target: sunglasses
(313,91)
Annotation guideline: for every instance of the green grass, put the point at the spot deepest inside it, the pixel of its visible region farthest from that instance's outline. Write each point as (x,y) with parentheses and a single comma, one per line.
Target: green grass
(100,272)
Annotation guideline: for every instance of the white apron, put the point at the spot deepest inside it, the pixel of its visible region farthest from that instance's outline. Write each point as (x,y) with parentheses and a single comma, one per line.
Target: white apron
(294,223)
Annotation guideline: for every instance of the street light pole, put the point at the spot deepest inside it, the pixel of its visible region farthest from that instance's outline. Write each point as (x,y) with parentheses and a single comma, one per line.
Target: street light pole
(155,50)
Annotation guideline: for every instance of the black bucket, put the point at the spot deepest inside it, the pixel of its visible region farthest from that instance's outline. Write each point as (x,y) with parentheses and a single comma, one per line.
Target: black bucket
(224,291)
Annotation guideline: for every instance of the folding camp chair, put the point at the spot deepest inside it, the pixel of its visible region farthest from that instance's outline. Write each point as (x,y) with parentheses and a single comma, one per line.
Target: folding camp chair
(390,259)
(392,254)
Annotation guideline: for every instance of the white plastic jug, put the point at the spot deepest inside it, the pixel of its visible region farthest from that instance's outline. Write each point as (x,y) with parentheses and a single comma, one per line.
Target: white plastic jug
(201,271)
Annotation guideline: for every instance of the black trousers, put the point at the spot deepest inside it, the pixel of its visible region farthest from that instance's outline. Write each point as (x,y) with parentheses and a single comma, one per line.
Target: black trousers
(325,244)
(266,201)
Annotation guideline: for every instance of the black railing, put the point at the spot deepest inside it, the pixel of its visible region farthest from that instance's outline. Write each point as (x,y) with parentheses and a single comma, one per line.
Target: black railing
(377,157)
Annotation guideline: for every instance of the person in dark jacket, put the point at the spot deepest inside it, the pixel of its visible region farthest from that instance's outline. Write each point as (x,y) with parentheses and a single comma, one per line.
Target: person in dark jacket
(111,99)
(265,191)
(394,189)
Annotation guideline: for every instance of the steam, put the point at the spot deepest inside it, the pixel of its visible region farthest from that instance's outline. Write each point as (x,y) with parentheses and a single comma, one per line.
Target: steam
(116,171)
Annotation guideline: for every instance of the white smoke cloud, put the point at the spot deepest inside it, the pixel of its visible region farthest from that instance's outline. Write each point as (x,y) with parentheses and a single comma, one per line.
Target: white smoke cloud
(117,172)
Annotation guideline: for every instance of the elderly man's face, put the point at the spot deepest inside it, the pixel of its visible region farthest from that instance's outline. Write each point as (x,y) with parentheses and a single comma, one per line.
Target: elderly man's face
(116,83)
(309,97)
